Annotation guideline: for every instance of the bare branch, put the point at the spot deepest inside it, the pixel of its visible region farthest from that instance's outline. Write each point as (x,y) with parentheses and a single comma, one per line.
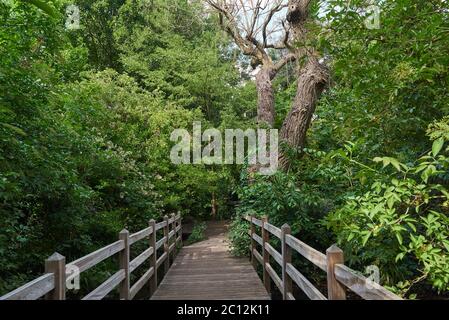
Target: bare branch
(284,60)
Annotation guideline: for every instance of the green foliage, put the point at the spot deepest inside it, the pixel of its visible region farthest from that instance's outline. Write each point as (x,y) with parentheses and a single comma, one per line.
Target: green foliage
(403,218)
(197,234)
(85,153)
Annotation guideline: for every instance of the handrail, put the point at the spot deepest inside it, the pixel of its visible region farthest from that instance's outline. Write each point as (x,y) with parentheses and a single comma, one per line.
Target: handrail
(339,276)
(52,284)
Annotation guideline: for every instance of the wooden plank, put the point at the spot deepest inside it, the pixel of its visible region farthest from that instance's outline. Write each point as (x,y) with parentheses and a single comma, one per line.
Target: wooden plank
(273,275)
(272,251)
(178,228)
(258,256)
(304,284)
(171,234)
(257,222)
(290,296)
(273,230)
(133,265)
(257,238)
(166,244)
(170,249)
(206,270)
(123,260)
(160,225)
(335,290)
(33,290)
(140,283)
(160,243)
(56,265)
(98,256)
(287,282)
(265,255)
(314,256)
(161,259)
(153,259)
(107,286)
(364,287)
(140,235)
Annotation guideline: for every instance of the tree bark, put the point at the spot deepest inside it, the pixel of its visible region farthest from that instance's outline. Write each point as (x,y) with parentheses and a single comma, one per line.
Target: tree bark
(265,97)
(312,79)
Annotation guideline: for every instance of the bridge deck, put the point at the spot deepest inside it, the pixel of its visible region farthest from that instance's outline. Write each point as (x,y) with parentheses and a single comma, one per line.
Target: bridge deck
(207,271)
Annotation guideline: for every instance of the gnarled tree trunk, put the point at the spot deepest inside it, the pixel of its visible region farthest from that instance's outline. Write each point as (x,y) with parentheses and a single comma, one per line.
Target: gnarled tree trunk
(265,96)
(312,80)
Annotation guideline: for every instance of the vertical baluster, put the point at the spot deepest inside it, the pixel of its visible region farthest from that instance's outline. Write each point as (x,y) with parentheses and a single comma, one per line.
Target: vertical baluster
(124,264)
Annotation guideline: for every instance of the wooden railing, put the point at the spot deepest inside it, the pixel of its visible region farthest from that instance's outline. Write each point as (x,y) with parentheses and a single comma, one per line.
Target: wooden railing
(52,284)
(339,276)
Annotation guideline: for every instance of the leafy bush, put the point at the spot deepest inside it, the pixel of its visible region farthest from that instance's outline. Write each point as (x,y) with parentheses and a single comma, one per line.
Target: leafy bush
(402,223)
(197,234)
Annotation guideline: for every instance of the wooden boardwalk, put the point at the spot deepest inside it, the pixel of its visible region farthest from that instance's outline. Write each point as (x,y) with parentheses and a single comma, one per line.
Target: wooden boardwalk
(207,271)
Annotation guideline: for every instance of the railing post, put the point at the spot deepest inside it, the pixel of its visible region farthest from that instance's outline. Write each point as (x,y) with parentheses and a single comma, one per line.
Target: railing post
(124,264)
(266,255)
(153,258)
(253,242)
(166,246)
(335,290)
(180,229)
(56,264)
(286,258)
(173,228)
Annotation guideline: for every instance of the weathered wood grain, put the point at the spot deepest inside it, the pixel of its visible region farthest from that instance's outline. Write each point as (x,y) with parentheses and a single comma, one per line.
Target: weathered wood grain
(206,270)
(314,256)
(140,235)
(87,262)
(258,256)
(364,287)
(160,225)
(335,290)
(305,285)
(161,242)
(257,238)
(32,290)
(140,283)
(141,258)
(161,259)
(273,252)
(274,276)
(273,230)
(106,287)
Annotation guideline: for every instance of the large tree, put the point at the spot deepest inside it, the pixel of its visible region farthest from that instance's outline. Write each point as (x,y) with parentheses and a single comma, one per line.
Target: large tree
(258,26)
(253,26)
(312,78)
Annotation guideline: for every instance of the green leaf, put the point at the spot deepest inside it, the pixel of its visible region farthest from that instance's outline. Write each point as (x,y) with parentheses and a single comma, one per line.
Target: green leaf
(399,237)
(44,7)
(14,128)
(437,146)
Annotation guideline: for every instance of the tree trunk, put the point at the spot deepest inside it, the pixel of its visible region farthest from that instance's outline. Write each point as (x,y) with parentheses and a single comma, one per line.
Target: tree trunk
(265,96)
(312,80)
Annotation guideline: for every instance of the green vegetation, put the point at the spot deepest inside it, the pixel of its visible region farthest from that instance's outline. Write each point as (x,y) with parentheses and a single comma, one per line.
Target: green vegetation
(86,117)
(197,234)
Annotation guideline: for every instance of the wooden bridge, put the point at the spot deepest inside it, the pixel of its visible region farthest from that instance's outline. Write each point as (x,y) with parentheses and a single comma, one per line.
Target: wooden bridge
(205,270)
